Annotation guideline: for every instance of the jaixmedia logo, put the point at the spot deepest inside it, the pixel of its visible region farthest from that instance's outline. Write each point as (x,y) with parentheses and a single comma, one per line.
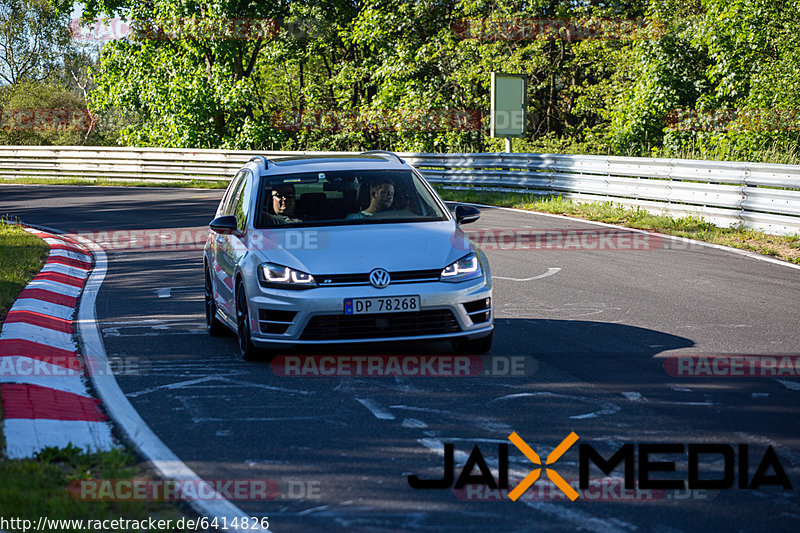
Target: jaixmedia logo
(646,467)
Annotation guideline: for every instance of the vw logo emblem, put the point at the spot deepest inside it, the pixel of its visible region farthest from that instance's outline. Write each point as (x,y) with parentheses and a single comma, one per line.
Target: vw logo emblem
(379,278)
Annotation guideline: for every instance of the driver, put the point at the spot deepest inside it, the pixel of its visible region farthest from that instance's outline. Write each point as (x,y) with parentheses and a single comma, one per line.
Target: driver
(283,202)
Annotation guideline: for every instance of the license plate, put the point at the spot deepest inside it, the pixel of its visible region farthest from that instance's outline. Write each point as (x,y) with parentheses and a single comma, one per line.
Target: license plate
(369,306)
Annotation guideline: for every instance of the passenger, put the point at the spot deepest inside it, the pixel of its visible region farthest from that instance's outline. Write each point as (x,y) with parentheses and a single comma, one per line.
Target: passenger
(381,196)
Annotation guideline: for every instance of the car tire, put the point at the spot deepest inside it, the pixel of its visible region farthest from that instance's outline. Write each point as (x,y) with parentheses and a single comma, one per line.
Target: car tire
(214,326)
(473,347)
(247,349)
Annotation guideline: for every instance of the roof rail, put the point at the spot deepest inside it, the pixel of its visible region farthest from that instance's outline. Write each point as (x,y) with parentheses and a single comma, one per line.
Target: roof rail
(384,152)
(263,160)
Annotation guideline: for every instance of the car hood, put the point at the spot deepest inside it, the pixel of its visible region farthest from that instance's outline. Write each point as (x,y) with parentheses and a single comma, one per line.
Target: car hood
(360,248)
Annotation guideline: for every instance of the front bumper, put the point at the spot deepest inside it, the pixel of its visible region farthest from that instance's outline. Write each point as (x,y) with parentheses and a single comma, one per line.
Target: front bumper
(448,311)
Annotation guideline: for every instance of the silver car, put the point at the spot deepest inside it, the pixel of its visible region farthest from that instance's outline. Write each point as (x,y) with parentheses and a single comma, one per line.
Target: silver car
(343,249)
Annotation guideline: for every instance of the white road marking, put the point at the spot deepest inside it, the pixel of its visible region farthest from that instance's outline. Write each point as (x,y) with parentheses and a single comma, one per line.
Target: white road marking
(437,447)
(606,408)
(413,423)
(166,292)
(313,510)
(377,411)
(701,404)
(550,272)
(168,386)
(634,396)
(193,382)
(594,414)
(422,409)
(791,385)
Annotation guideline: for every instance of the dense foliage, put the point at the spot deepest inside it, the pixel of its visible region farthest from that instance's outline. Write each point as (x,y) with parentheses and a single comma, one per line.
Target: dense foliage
(639,77)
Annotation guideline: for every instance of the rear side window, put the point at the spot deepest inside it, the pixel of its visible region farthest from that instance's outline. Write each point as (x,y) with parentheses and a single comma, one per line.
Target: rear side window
(230,194)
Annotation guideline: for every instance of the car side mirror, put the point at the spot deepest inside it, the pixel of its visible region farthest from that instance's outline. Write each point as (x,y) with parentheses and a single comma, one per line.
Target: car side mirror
(224,225)
(466,214)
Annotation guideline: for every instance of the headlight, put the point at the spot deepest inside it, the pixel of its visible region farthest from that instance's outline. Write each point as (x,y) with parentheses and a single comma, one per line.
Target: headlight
(465,268)
(283,277)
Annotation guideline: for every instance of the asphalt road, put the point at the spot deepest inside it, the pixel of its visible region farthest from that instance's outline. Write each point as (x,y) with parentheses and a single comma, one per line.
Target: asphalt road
(589,328)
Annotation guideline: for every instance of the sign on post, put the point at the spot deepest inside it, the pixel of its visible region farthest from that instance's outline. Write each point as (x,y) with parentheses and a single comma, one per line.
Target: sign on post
(508,106)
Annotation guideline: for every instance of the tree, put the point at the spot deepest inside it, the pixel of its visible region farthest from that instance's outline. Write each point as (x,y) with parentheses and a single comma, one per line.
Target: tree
(44,113)
(188,73)
(34,40)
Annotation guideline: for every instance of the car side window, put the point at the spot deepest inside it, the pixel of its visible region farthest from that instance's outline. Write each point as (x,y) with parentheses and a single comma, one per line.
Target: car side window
(241,203)
(233,189)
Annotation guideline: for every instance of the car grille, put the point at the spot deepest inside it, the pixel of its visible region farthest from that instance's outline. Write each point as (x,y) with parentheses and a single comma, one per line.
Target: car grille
(407,276)
(341,327)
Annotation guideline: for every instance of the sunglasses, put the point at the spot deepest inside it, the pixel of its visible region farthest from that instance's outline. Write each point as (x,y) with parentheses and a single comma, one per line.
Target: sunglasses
(283,195)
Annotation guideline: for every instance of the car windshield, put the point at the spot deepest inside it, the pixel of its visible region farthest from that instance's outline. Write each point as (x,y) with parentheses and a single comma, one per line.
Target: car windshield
(344,198)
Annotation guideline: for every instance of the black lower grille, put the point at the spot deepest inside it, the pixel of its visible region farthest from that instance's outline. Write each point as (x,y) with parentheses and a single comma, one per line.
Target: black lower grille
(479,310)
(275,322)
(336,327)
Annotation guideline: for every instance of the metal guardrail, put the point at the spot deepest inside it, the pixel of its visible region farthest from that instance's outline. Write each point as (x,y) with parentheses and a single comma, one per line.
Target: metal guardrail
(756,195)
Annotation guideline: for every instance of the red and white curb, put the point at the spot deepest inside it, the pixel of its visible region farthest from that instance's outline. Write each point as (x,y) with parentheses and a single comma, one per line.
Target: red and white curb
(42,385)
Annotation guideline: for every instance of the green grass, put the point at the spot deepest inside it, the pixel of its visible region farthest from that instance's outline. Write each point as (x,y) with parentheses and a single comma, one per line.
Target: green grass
(22,256)
(786,248)
(31,488)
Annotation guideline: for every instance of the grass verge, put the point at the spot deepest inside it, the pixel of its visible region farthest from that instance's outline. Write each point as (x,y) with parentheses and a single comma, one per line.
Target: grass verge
(786,248)
(49,486)
(22,256)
